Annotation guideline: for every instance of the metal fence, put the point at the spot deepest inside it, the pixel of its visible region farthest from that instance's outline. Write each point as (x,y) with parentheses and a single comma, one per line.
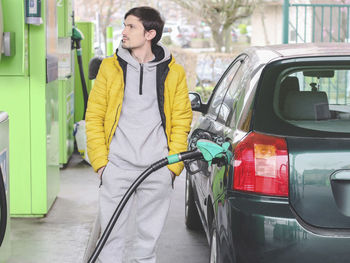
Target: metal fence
(305,23)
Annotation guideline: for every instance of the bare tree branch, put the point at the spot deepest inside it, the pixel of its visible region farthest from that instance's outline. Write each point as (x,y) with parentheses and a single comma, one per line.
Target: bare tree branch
(219,15)
(106,9)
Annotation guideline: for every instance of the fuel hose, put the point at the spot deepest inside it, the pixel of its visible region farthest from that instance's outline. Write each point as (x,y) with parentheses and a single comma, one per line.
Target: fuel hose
(205,149)
(152,168)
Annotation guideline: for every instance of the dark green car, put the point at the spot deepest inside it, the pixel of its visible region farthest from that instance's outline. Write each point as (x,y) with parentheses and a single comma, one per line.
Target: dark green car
(285,196)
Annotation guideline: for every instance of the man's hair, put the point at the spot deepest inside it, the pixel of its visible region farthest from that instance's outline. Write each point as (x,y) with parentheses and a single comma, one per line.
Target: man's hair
(150,19)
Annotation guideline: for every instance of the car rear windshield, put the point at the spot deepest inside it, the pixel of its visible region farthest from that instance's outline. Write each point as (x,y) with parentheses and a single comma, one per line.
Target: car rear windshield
(314,98)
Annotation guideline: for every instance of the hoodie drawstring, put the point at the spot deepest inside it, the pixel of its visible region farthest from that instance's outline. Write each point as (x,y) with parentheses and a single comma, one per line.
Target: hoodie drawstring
(141,79)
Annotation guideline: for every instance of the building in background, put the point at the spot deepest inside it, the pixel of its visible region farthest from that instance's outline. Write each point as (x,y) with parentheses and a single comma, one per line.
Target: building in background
(309,21)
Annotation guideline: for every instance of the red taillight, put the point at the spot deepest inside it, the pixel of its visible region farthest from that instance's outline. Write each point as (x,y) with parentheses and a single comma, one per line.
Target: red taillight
(261,165)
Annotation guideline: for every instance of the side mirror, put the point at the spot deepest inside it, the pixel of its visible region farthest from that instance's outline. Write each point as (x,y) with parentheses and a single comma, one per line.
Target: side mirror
(196,102)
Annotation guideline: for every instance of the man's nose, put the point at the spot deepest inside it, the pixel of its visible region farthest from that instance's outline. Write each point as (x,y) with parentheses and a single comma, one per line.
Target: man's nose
(124,31)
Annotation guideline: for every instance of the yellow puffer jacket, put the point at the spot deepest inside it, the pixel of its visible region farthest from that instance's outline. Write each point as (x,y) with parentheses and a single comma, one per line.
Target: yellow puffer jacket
(105,103)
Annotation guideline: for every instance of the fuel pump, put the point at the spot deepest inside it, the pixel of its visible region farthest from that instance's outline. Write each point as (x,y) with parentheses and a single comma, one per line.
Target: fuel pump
(79,129)
(5,249)
(77,37)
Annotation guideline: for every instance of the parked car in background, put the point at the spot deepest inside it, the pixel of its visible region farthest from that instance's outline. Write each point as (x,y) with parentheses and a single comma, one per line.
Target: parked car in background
(189,31)
(180,36)
(285,195)
(234,35)
(205,32)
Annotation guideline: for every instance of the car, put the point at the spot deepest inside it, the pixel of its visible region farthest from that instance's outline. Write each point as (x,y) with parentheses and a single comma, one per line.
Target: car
(285,194)
(234,35)
(189,31)
(204,32)
(176,35)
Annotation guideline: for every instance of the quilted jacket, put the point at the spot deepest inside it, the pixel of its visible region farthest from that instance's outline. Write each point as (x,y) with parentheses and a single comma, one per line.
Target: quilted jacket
(106,100)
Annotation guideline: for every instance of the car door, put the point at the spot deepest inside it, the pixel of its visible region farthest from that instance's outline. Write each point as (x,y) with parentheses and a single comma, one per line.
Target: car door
(225,124)
(210,127)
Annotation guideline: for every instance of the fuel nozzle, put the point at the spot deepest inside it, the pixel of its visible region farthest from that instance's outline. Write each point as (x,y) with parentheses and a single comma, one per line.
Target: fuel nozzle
(207,150)
(77,36)
(214,152)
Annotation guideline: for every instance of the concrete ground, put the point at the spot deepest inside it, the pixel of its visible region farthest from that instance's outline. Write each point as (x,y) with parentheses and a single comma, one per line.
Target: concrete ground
(63,235)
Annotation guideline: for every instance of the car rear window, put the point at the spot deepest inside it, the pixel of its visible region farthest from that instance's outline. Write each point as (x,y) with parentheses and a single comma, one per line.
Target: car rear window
(314,98)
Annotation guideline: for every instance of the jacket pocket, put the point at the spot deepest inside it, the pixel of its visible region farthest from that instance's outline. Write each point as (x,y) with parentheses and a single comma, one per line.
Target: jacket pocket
(115,120)
(173,176)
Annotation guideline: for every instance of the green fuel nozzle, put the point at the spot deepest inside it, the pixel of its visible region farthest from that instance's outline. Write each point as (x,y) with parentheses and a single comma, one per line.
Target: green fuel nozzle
(77,34)
(206,150)
(77,37)
(211,150)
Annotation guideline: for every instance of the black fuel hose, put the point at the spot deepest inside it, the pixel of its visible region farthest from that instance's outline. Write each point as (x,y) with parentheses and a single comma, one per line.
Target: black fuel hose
(82,76)
(152,168)
(3,209)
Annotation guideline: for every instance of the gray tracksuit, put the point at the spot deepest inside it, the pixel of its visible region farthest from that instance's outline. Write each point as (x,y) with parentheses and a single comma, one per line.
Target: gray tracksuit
(139,140)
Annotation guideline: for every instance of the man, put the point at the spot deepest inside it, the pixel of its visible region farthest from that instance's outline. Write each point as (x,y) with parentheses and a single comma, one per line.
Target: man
(138,112)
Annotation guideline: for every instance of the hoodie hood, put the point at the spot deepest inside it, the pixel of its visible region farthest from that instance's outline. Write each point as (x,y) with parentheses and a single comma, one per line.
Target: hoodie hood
(160,52)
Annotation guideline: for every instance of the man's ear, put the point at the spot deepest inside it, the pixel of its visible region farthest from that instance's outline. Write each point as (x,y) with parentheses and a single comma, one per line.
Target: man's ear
(150,34)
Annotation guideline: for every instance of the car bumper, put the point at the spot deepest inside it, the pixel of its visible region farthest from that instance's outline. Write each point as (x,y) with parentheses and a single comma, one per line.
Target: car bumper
(267,230)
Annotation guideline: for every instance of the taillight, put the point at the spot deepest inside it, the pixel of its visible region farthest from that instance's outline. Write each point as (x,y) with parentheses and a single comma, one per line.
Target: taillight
(261,165)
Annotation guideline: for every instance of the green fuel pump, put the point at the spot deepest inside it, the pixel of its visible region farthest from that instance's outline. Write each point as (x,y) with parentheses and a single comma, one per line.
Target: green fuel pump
(205,149)
(79,130)
(5,249)
(66,78)
(77,37)
(88,50)
(29,94)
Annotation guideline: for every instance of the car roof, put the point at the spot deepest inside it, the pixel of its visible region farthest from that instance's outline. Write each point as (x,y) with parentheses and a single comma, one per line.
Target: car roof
(265,54)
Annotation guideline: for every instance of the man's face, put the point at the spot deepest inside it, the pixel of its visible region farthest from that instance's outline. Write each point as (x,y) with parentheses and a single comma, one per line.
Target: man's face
(134,34)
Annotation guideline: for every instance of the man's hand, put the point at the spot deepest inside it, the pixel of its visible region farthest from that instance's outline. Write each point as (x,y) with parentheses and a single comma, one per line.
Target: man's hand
(100,171)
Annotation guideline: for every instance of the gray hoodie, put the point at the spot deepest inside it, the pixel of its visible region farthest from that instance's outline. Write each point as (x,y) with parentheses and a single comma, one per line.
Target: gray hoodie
(139,139)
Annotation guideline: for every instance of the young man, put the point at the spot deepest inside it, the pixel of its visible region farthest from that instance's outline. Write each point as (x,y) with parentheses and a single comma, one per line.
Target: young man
(138,112)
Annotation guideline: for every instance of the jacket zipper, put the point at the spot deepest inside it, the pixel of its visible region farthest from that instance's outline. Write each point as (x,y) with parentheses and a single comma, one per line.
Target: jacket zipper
(141,79)
(115,120)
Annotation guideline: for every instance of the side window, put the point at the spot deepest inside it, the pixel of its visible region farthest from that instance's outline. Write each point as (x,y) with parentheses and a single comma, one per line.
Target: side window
(220,90)
(227,109)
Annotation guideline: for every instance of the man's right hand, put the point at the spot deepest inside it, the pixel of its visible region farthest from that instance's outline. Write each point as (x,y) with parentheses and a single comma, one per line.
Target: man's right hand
(100,171)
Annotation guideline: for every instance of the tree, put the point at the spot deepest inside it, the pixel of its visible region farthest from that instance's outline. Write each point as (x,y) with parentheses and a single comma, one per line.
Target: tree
(219,15)
(87,10)
(110,12)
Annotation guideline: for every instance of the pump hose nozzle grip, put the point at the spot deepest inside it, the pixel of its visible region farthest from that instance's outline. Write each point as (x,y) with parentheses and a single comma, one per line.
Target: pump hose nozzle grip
(175,158)
(214,152)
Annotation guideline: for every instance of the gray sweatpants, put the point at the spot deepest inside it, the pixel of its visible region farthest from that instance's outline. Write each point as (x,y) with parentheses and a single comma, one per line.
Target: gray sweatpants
(150,204)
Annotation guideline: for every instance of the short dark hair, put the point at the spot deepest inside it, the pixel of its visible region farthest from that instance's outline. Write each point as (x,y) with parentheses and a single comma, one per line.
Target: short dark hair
(150,18)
